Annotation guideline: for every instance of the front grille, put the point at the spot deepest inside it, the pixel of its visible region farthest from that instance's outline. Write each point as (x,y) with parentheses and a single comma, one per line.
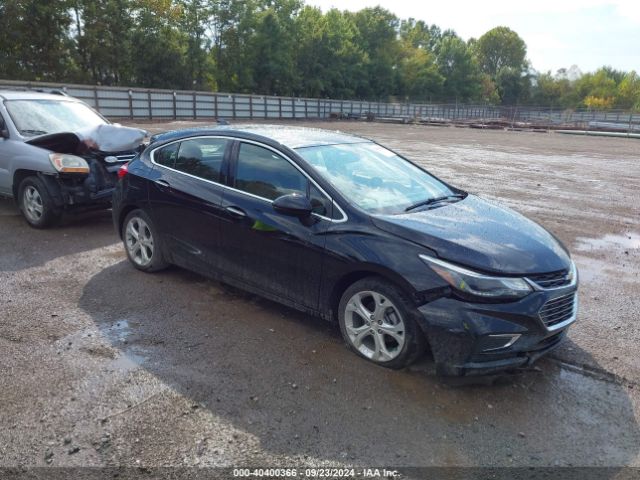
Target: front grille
(557,310)
(552,280)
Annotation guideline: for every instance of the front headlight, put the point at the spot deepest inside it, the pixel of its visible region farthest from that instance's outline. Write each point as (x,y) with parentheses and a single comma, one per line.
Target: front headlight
(65,163)
(478,284)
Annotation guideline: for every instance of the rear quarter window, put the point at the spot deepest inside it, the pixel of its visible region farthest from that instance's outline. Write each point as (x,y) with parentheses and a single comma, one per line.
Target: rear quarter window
(166,156)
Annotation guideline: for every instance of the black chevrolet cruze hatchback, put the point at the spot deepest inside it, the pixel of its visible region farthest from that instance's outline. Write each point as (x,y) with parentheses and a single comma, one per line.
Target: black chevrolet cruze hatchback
(343,228)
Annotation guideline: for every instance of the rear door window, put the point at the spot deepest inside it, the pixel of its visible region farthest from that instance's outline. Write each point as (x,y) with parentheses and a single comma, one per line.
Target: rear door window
(202,158)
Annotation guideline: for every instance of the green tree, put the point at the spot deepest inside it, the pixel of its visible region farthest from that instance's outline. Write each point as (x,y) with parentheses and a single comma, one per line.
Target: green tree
(377,36)
(629,91)
(103,39)
(230,27)
(500,48)
(194,16)
(158,47)
(271,49)
(458,68)
(419,76)
(419,34)
(511,85)
(34,40)
(329,63)
(597,89)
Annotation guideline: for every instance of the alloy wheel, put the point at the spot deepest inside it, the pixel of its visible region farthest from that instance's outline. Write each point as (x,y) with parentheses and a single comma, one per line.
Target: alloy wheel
(32,201)
(139,241)
(374,326)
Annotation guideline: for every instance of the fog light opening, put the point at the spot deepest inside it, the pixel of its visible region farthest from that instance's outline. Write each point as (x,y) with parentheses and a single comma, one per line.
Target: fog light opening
(499,341)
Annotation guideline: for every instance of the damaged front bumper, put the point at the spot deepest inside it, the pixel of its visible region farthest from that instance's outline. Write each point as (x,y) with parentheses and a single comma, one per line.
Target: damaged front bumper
(93,190)
(483,338)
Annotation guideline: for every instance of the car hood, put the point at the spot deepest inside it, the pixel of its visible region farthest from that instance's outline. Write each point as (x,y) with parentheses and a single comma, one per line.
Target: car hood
(62,142)
(106,138)
(482,235)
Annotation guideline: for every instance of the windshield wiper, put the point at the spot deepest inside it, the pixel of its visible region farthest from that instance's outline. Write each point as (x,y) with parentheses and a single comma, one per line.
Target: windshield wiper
(33,132)
(431,201)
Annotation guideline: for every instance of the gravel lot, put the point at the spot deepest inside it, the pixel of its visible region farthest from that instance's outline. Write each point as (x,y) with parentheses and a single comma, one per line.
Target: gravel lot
(103,365)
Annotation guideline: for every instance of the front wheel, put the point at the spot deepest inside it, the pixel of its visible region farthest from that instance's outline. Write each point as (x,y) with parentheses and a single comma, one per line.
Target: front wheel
(142,243)
(378,322)
(36,204)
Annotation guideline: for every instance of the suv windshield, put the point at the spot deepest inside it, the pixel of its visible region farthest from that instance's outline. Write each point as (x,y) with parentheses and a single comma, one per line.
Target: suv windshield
(38,117)
(374,178)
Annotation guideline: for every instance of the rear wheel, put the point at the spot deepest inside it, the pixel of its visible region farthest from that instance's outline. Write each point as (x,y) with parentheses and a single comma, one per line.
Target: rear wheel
(36,204)
(142,242)
(378,322)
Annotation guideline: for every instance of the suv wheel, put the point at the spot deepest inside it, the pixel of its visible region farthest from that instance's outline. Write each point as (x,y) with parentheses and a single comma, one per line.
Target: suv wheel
(36,204)
(378,322)
(142,242)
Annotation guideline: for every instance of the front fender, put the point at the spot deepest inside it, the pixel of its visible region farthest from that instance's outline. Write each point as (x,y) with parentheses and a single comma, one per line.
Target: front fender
(356,252)
(28,157)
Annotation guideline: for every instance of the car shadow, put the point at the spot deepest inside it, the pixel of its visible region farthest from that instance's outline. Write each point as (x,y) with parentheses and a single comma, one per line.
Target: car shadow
(287,379)
(32,247)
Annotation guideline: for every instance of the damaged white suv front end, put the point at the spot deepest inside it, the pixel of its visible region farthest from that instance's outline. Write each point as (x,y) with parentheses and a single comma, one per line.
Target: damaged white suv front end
(57,154)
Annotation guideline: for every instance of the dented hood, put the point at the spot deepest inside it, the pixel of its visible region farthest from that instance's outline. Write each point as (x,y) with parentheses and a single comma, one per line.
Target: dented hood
(482,235)
(105,138)
(62,142)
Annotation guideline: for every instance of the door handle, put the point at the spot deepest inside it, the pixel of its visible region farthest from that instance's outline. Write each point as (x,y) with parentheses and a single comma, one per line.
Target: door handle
(236,212)
(162,183)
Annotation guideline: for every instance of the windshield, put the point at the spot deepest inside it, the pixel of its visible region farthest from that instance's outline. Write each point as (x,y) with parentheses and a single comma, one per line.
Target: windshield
(374,178)
(38,117)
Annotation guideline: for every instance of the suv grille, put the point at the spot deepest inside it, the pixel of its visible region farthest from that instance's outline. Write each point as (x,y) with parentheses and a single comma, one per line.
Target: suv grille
(557,310)
(552,280)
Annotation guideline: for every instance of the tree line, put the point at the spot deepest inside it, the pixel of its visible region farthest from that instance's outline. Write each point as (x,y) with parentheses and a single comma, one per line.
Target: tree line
(284,47)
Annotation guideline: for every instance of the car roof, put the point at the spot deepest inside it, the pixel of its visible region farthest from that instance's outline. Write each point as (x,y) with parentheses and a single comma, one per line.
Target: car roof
(32,95)
(289,136)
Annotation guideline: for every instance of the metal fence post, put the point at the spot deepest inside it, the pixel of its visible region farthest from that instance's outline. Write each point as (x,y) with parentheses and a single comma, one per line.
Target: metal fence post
(293,107)
(266,113)
(233,106)
(251,107)
(215,105)
(175,109)
(193,104)
(95,97)
(130,104)
(280,108)
(149,104)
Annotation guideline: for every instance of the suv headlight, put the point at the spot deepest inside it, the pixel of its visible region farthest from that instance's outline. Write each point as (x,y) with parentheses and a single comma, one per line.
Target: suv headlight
(477,284)
(65,163)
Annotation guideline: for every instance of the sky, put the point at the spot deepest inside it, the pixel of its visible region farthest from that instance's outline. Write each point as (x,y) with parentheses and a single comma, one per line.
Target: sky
(558,33)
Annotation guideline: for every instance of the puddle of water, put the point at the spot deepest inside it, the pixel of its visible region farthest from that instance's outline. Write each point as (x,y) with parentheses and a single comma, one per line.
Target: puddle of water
(608,242)
(591,271)
(127,361)
(119,330)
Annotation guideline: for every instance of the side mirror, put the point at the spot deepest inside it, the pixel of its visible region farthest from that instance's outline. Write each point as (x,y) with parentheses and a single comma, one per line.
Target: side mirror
(293,204)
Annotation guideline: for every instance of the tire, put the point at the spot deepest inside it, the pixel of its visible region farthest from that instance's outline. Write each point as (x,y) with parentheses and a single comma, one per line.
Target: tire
(36,204)
(391,324)
(142,242)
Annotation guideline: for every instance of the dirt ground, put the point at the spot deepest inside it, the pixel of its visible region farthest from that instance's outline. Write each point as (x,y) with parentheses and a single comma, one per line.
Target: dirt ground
(103,365)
